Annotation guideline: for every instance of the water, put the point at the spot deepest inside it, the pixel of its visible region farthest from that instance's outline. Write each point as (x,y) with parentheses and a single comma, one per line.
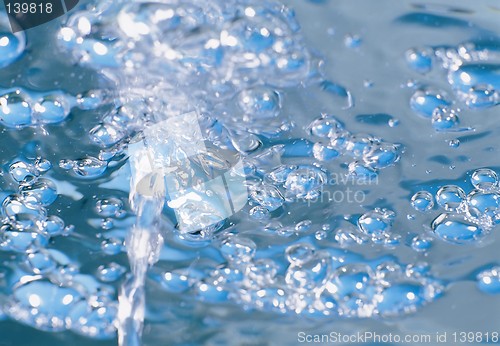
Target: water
(203,173)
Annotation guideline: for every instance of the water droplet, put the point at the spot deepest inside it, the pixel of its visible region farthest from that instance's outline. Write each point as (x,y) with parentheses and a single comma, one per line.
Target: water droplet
(89,167)
(450,197)
(420,59)
(376,223)
(23,172)
(305,182)
(52,109)
(15,109)
(238,249)
(454,143)
(444,118)
(455,228)
(484,179)
(299,253)
(266,195)
(110,272)
(109,207)
(260,102)
(489,280)
(42,192)
(425,101)
(12,45)
(422,201)
(421,243)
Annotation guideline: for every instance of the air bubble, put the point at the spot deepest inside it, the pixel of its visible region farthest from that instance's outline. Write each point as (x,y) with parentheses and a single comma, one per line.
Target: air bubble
(450,197)
(109,207)
(420,59)
(15,109)
(455,228)
(484,179)
(444,118)
(422,201)
(238,249)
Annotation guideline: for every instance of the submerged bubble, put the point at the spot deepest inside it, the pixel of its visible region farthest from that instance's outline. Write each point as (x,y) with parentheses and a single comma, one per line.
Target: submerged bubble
(23,172)
(376,223)
(450,197)
(109,207)
(52,109)
(89,167)
(305,182)
(422,201)
(42,192)
(267,196)
(260,102)
(110,272)
(42,304)
(455,228)
(489,280)
(299,253)
(483,205)
(425,101)
(421,243)
(444,118)
(238,249)
(12,45)
(420,59)
(481,96)
(484,179)
(15,109)
(326,126)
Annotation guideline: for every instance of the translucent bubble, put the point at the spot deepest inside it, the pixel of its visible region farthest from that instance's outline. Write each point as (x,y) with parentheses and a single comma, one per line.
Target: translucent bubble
(238,249)
(112,246)
(354,290)
(260,102)
(89,167)
(94,319)
(481,204)
(21,214)
(40,262)
(43,192)
(420,59)
(263,272)
(376,223)
(481,96)
(299,253)
(52,109)
(352,41)
(12,239)
(422,201)
(91,99)
(358,145)
(421,243)
(110,272)
(444,118)
(305,182)
(54,226)
(43,165)
(362,171)
(310,274)
(346,237)
(484,179)
(23,172)
(450,197)
(455,228)
(425,101)
(324,153)
(106,135)
(175,281)
(260,213)
(454,143)
(474,75)
(303,226)
(12,45)
(326,126)
(109,207)
(266,195)
(381,155)
(400,298)
(489,280)
(15,109)
(42,304)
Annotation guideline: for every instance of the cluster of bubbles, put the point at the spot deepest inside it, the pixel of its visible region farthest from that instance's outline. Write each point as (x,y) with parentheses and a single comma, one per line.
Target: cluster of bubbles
(314,282)
(473,72)
(44,287)
(370,154)
(21,108)
(467,217)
